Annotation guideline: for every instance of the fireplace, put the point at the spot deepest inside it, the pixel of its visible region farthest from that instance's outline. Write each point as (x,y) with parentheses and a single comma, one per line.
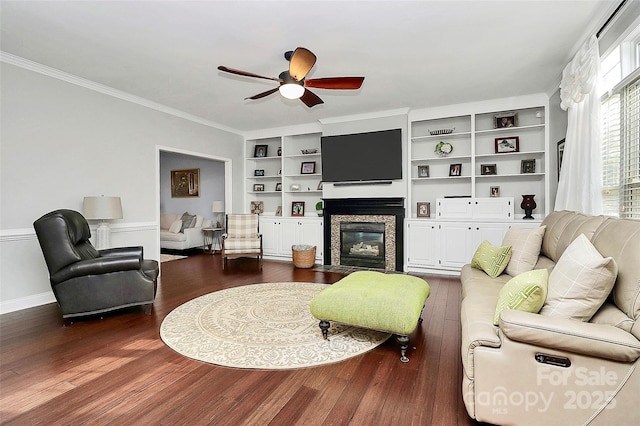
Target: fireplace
(373,228)
(362,244)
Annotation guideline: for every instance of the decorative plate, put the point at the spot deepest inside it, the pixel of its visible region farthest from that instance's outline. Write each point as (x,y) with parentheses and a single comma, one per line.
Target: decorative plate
(441,132)
(443,149)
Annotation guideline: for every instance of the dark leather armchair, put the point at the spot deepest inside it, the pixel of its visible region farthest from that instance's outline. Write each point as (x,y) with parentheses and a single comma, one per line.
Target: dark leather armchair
(87,281)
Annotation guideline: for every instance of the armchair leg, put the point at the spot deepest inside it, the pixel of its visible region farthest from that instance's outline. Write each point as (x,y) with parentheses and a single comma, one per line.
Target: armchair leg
(147,308)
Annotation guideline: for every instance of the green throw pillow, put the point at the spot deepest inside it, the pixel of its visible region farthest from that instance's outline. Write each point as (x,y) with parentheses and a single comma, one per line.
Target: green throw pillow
(491,259)
(525,292)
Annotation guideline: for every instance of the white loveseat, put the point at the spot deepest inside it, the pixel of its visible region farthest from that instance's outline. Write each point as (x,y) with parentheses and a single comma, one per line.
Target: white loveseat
(178,235)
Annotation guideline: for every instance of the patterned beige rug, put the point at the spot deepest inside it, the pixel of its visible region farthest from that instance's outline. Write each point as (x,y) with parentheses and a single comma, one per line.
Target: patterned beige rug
(169,257)
(262,326)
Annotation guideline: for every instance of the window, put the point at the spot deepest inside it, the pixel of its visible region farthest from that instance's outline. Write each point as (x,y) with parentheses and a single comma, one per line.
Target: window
(620,115)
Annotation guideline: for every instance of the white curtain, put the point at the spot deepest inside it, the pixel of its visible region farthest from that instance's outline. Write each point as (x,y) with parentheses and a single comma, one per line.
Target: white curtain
(580,182)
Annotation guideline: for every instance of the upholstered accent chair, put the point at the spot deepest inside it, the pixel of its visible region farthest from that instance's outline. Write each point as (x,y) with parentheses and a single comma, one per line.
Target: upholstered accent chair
(242,239)
(87,281)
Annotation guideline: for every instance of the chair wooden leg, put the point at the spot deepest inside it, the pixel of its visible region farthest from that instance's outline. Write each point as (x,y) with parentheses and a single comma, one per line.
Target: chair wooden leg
(147,308)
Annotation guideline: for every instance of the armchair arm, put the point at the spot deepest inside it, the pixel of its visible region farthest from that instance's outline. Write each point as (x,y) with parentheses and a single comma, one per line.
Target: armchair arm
(97,266)
(123,251)
(598,340)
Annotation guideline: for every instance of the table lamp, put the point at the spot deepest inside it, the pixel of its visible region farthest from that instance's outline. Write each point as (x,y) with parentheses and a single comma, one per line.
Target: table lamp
(218,207)
(102,208)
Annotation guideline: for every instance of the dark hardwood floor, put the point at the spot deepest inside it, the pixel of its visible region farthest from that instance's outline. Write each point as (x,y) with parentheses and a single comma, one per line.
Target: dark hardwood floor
(116,369)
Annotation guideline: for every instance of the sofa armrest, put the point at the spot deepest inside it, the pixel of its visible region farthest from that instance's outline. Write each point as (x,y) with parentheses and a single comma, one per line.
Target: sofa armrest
(97,266)
(598,340)
(123,251)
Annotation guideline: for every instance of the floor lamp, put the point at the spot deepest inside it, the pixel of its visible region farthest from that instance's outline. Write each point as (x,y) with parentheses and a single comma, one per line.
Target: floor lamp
(102,208)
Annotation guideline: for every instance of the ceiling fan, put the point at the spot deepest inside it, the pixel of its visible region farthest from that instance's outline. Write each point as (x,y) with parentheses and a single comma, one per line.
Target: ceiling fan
(293,84)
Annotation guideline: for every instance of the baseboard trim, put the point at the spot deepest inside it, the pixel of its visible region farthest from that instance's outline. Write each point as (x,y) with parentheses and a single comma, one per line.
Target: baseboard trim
(27,302)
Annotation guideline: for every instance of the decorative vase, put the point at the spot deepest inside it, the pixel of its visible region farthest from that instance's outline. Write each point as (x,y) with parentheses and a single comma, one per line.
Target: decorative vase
(528,204)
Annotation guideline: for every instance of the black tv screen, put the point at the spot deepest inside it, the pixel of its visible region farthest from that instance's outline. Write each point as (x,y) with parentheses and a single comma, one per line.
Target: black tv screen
(368,156)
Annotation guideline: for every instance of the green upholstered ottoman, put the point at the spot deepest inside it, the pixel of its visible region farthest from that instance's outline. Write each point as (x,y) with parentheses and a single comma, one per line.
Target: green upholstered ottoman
(385,302)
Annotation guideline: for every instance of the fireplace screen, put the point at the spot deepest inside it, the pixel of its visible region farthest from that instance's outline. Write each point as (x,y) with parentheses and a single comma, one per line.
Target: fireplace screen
(362,244)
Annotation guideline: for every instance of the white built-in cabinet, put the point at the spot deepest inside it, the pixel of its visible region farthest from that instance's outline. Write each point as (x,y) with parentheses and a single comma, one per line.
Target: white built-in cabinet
(280,233)
(448,242)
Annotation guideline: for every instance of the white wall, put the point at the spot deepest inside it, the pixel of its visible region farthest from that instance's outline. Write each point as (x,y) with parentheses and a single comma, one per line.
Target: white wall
(211,184)
(61,142)
(558,120)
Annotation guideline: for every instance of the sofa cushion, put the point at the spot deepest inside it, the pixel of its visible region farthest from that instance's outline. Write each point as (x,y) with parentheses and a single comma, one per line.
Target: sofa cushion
(525,248)
(491,259)
(580,282)
(525,292)
(171,236)
(562,228)
(166,219)
(620,239)
(176,226)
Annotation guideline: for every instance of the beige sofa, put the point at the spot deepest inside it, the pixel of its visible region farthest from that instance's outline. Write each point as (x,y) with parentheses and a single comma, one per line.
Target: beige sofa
(175,236)
(517,372)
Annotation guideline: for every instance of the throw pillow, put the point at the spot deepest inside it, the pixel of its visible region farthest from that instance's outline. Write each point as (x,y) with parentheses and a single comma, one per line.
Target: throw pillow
(525,292)
(188,221)
(525,248)
(580,282)
(491,259)
(176,226)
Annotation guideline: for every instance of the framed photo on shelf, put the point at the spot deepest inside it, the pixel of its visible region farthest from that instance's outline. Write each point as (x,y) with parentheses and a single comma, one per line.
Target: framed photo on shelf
(488,169)
(279,186)
(260,151)
(508,144)
(505,120)
(185,183)
(528,166)
(455,170)
(297,208)
(494,191)
(424,209)
(259,172)
(257,207)
(258,187)
(423,171)
(308,168)
(319,186)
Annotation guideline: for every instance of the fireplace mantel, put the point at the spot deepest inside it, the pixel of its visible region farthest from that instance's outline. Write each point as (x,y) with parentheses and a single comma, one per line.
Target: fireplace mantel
(366,206)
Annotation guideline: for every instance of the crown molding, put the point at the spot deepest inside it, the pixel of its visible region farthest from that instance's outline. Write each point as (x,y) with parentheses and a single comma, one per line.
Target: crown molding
(365,116)
(109,91)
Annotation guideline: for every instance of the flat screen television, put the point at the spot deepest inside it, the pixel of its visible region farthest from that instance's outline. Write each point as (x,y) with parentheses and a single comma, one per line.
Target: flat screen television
(372,156)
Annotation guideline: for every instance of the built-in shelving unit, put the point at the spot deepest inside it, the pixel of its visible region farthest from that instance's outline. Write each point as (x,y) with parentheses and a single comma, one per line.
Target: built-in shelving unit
(286,174)
(515,170)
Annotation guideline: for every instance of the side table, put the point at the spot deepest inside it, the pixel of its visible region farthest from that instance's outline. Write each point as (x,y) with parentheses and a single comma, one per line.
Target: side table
(211,240)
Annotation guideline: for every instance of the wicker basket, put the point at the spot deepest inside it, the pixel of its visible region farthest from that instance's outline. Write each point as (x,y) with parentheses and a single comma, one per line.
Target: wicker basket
(303,256)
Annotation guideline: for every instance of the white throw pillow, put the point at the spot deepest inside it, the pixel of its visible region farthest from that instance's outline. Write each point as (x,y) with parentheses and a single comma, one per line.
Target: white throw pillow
(580,282)
(525,249)
(199,219)
(176,226)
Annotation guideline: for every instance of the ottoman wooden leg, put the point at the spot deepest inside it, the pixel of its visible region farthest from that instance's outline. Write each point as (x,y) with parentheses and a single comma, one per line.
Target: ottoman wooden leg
(324,326)
(404,345)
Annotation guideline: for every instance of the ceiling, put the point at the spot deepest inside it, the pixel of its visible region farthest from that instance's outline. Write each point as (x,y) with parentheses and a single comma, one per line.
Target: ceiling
(413,54)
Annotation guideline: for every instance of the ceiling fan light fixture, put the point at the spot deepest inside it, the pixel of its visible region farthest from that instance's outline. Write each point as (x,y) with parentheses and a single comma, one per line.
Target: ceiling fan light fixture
(291,90)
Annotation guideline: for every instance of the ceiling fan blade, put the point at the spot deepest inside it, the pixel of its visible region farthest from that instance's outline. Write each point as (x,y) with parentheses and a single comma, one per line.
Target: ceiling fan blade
(245,73)
(263,94)
(310,99)
(301,63)
(340,83)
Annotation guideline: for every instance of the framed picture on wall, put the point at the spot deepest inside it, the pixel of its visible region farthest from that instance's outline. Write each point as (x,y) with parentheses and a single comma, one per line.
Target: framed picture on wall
(560,155)
(185,183)
(528,166)
(505,120)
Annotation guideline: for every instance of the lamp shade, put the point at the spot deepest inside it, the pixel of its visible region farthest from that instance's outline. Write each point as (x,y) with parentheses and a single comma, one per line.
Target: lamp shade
(217,207)
(102,208)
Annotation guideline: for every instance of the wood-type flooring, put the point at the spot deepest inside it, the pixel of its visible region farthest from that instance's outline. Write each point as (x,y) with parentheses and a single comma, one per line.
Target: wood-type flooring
(116,370)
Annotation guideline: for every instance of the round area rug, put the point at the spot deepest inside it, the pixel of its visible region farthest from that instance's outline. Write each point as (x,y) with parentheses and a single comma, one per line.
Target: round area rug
(264,326)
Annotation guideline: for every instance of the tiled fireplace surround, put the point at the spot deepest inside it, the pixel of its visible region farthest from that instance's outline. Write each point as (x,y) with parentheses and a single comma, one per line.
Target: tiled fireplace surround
(389,211)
